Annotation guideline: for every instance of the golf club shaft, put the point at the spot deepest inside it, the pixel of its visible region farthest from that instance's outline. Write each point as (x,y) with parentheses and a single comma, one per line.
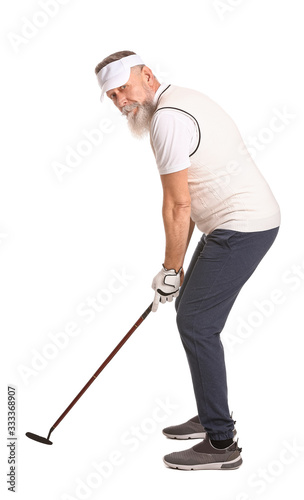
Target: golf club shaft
(104,364)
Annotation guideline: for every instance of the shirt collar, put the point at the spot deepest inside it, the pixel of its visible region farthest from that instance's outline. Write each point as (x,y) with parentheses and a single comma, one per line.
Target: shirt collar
(160,89)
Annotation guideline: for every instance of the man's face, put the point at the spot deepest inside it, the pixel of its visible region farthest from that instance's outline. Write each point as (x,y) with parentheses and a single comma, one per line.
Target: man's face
(135,101)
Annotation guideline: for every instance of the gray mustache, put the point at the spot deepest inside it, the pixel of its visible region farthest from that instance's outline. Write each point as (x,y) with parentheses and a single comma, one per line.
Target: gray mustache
(126,109)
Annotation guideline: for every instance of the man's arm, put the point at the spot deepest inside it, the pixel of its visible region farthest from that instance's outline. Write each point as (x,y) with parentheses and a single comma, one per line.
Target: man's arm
(176,216)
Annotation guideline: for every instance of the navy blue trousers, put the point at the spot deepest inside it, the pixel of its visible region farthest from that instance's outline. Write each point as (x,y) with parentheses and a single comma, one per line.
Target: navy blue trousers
(221,264)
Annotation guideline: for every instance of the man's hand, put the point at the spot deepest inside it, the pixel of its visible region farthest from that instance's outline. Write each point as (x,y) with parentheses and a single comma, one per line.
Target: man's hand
(166,285)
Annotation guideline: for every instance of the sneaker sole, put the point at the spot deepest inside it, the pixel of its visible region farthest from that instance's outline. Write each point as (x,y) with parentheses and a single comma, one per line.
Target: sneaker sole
(234,464)
(196,435)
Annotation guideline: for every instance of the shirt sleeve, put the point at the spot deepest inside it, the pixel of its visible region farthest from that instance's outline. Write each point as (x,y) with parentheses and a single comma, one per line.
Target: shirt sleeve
(172,133)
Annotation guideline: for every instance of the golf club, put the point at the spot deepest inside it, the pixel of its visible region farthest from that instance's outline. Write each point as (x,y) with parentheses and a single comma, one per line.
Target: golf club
(43,440)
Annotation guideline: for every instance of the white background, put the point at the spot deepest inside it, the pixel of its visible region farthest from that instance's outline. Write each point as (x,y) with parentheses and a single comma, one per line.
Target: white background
(60,243)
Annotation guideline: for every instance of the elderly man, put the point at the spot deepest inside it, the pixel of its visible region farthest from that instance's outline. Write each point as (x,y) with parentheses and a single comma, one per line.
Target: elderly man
(210,181)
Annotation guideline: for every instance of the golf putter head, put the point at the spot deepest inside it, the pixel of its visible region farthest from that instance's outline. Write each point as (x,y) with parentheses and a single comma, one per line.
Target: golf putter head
(40,439)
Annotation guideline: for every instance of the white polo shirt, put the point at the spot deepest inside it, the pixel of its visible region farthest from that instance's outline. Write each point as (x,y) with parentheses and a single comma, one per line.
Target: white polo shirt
(189,130)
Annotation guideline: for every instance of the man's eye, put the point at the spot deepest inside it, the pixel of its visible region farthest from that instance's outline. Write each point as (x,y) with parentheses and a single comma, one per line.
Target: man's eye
(123,87)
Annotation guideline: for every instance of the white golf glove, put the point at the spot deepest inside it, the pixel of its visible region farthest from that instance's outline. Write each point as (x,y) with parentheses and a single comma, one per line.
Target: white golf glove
(166,285)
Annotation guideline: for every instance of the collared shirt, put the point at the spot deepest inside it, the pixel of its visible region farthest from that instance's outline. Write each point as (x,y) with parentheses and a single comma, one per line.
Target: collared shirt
(190,130)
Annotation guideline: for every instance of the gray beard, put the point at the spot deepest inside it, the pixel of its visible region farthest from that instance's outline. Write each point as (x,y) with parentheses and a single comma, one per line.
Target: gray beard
(139,123)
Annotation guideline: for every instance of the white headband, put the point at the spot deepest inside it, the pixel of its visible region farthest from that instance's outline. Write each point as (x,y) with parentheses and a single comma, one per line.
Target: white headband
(116,73)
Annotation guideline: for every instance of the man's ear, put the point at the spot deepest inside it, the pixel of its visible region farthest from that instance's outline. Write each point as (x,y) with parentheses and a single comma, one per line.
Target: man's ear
(147,76)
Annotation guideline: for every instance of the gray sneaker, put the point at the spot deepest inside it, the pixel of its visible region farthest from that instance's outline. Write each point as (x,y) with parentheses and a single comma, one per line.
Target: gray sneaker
(204,456)
(192,429)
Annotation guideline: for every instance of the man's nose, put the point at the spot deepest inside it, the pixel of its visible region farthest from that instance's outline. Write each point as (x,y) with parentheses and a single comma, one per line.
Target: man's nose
(121,101)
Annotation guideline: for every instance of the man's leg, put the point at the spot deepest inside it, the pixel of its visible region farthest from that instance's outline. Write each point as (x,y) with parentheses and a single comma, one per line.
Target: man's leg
(190,268)
(222,263)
